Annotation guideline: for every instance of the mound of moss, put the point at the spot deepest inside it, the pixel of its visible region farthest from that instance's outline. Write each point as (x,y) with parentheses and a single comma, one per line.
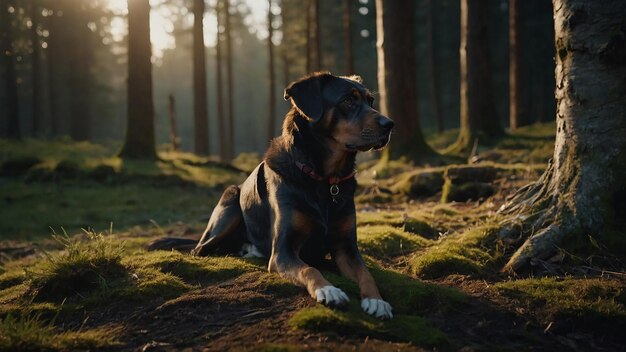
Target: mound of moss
(384,241)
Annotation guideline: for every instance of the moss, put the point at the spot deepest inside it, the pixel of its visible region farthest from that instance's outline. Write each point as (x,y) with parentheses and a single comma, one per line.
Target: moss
(387,241)
(404,328)
(192,269)
(12,278)
(419,227)
(380,218)
(420,183)
(32,333)
(445,190)
(471,252)
(276,347)
(275,285)
(581,297)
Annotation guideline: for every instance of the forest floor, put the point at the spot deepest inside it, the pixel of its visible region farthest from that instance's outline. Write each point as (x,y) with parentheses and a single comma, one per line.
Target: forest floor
(428,234)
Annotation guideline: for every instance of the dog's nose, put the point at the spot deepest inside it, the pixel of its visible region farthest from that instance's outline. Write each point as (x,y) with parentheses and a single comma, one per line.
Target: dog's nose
(385,123)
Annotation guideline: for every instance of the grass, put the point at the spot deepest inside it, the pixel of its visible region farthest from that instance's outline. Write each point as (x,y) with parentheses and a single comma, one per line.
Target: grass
(32,333)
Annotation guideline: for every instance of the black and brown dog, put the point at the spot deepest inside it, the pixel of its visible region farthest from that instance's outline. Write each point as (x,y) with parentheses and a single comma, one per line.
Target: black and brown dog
(297,206)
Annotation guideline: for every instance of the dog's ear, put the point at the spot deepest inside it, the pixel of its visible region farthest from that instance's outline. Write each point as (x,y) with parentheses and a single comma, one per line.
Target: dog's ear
(306,96)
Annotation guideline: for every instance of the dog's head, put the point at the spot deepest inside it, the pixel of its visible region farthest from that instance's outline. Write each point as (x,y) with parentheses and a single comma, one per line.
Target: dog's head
(341,109)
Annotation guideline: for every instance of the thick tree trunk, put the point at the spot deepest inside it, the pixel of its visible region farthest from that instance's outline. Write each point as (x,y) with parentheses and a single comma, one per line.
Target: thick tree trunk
(230,146)
(271,120)
(582,192)
(174,141)
(309,43)
(51,60)
(397,74)
(139,141)
(435,101)
(478,111)
(12,113)
(80,78)
(221,118)
(36,67)
(518,111)
(347,36)
(200,105)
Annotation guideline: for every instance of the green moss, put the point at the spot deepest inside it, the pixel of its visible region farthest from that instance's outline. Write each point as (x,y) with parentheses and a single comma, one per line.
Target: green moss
(189,268)
(275,285)
(32,333)
(355,322)
(420,227)
(276,347)
(445,190)
(471,252)
(581,297)
(387,241)
(395,219)
(12,278)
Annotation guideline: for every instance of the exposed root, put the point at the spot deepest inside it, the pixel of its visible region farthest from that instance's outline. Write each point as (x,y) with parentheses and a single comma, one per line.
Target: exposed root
(541,245)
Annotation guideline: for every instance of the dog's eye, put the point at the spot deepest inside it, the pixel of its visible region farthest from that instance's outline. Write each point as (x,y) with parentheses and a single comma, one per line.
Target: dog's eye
(370,101)
(347,102)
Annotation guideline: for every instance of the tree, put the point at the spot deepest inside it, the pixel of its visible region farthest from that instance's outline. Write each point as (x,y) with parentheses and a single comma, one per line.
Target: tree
(478,112)
(347,36)
(139,140)
(397,73)
(221,118)
(230,145)
(434,83)
(518,111)
(200,108)
(81,81)
(271,121)
(314,53)
(582,192)
(10,80)
(52,58)
(35,14)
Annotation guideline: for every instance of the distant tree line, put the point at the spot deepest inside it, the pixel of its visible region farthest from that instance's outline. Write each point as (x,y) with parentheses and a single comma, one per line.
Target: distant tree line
(64,73)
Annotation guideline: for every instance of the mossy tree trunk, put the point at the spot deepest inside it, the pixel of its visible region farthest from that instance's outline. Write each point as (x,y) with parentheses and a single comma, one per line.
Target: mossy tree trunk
(583,191)
(478,110)
(139,140)
(397,75)
(200,104)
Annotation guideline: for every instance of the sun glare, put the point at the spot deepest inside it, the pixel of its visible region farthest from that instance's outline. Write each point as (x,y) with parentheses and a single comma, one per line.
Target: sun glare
(161,26)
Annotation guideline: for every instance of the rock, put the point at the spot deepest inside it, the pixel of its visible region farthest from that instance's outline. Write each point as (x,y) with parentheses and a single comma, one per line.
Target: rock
(421,184)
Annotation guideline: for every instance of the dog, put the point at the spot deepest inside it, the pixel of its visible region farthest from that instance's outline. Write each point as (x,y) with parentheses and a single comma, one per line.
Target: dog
(297,205)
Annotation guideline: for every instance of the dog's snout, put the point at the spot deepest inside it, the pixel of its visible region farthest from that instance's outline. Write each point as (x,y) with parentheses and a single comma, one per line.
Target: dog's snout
(385,123)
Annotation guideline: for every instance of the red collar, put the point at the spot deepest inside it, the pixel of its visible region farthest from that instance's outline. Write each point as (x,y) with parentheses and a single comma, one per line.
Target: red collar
(333,180)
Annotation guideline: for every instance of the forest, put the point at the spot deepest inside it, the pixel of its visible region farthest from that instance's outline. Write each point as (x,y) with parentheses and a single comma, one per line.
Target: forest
(492,220)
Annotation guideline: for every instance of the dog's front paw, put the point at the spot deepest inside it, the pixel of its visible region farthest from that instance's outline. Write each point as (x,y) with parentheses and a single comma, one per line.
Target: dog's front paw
(376,307)
(331,296)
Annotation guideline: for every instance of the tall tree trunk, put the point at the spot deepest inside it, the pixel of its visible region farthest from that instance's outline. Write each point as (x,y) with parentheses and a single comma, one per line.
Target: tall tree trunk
(200,105)
(435,101)
(397,74)
(478,111)
(347,36)
(518,111)
(36,67)
(582,193)
(221,117)
(80,77)
(51,60)
(283,45)
(229,154)
(315,20)
(139,141)
(271,121)
(10,79)
(174,141)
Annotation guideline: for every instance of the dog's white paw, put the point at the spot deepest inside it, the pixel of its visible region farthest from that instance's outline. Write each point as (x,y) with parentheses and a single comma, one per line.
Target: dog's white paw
(331,296)
(376,307)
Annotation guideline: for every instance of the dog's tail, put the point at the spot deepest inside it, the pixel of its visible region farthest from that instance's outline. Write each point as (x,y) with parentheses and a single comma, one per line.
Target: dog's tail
(173,243)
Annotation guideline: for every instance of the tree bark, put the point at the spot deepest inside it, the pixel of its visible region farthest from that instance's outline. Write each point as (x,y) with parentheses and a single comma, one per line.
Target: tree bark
(200,105)
(397,74)
(230,146)
(271,120)
(10,79)
(518,111)
(435,100)
(309,27)
(582,192)
(139,140)
(174,141)
(36,67)
(478,112)
(221,117)
(347,36)
(51,60)
(80,77)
